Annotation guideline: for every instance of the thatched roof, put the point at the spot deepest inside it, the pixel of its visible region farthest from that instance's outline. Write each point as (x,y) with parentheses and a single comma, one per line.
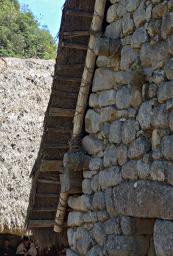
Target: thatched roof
(24,93)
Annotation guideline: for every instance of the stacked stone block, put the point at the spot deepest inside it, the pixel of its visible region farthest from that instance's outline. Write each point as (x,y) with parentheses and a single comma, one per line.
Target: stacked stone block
(126,208)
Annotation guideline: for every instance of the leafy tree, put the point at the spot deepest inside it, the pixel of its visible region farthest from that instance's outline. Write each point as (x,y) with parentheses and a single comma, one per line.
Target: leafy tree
(20,34)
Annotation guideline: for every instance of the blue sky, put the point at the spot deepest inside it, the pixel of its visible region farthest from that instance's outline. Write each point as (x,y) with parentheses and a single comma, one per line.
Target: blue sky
(47,12)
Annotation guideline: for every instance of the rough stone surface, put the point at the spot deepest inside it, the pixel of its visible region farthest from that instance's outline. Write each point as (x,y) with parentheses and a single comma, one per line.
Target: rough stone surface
(108,114)
(109,202)
(122,154)
(110,177)
(140,15)
(75,219)
(132,5)
(114,29)
(169,69)
(127,245)
(165,91)
(158,170)
(143,169)
(167,147)
(139,37)
(93,100)
(159,10)
(82,203)
(144,199)
(129,170)
(107,98)
(99,233)
(160,117)
(112,226)
(115,132)
(112,13)
(24,94)
(84,241)
(144,115)
(170,173)
(95,251)
(138,148)
(130,176)
(167,25)
(103,80)
(171,120)
(121,101)
(92,121)
(163,237)
(99,201)
(154,56)
(128,57)
(92,145)
(127,24)
(110,156)
(129,131)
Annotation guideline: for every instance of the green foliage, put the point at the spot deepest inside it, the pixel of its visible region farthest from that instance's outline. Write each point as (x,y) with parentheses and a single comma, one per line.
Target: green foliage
(20,34)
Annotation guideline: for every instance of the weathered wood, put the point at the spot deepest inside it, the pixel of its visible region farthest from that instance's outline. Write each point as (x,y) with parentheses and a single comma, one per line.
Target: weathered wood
(59,130)
(41,223)
(55,146)
(44,195)
(69,79)
(42,210)
(51,166)
(75,46)
(61,112)
(72,34)
(78,13)
(46,181)
(65,95)
(71,182)
(87,77)
(70,66)
(62,205)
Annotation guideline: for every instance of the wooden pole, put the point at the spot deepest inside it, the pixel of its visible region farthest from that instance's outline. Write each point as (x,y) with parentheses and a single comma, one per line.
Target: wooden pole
(59,220)
(96,27)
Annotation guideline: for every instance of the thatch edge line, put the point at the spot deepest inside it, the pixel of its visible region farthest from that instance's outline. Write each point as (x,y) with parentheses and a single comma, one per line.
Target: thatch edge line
(96,27)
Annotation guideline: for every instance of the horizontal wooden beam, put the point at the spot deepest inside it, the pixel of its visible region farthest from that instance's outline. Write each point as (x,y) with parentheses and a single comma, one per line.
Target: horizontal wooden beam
(55,146)
(69,79)
(51,165)
(61,112)
(75,46)
(42,210)
(46,181)
(59,130)
(78,13)
(41,223)
(70,66)
(65,95)
(44,195)
(72,34)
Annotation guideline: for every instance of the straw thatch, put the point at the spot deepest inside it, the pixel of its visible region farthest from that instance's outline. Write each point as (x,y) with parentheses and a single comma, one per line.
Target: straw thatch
(58,124)
(24,92)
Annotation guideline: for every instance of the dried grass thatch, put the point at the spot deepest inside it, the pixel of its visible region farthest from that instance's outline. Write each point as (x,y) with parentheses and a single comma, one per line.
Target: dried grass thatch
(24,93)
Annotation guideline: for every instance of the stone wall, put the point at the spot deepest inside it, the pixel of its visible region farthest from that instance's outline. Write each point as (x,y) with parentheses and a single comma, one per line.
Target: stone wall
(130,139)
(25,87)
